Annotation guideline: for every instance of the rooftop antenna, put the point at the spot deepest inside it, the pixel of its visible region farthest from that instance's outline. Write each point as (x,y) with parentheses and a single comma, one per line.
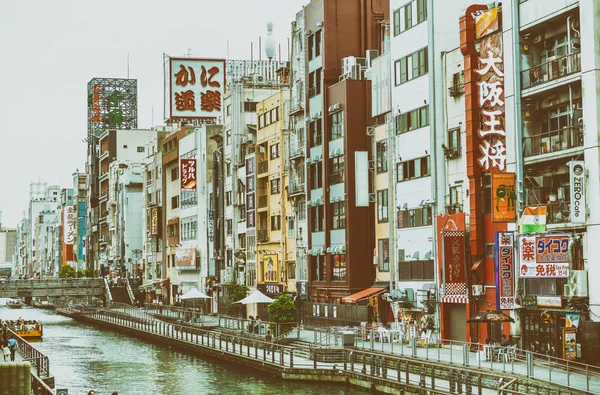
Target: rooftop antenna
(189,53)
(270,41)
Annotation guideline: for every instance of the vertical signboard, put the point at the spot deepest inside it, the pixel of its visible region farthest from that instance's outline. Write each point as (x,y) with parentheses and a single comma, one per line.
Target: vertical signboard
(361,177)
(196,88)
(154,222)
(492,144)
(454,262)
(270,268)
(544,256)
(69,225)
(250,191)
(504,197)
(577,184)
(188,175)
(505,271)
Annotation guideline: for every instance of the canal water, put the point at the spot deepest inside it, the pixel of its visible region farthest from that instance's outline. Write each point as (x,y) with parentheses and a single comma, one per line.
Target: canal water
(82,358)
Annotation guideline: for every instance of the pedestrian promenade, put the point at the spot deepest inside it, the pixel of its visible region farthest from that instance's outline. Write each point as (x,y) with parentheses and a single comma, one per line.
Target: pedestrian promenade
(445,367)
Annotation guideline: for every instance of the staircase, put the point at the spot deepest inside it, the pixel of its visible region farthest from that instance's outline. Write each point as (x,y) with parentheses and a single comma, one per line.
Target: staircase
(120,295)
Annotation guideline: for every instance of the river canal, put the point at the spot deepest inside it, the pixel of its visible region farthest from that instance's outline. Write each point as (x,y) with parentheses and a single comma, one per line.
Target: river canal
(83,357)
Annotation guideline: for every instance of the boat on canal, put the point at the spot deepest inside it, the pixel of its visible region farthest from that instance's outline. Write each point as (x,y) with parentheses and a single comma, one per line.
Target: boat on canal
(14,304)
(29,330)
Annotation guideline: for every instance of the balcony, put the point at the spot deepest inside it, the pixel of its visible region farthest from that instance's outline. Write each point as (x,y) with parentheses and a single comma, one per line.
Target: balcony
(558,212)
(553,141)
(296,148)
(296,187)
(263,167)
(456,90)
(262,235)
(263,201)
(296,105)
(551,70)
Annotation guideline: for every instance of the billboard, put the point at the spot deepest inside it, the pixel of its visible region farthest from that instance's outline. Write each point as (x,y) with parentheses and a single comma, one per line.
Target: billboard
(69,225)
(453,245)
(544,256)
(250,192)
(270,265)
(154,222)
(504,270)
(577,183)
(185,258)
(188,175)
(112,104)
(196,88)
(504,197)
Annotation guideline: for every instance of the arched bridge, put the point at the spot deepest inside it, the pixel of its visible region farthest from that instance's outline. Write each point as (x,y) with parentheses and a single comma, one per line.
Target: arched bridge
(52,287)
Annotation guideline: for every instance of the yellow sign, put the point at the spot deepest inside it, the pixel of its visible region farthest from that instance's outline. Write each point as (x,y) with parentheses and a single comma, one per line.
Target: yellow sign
(270,263)
(154,221)
(486,23)
(504,197)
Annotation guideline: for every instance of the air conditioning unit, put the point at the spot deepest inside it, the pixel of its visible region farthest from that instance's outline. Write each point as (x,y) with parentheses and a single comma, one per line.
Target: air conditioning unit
(578,281)
(356,72)
(334,107)
(256,78)
(347,64)
(477,290)
(370,55)
(320,24)
(250,138)
(241,280)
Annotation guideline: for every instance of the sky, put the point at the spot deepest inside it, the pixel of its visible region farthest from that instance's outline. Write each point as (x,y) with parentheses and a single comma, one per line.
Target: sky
(51,49)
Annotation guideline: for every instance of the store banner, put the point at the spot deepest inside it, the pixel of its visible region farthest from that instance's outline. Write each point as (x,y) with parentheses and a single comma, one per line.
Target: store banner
(185,258)
(504,197)
(504,270)
(577,184)
(453,244)
(188,175)
(544,256)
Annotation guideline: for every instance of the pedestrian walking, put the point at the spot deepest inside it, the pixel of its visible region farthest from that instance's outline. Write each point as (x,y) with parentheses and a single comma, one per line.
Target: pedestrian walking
(268,340)
(6,350)
(12,345)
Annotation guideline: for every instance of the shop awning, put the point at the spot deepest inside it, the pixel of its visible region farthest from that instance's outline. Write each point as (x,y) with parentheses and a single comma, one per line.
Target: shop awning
(365,293)
(476,264)
(166,282)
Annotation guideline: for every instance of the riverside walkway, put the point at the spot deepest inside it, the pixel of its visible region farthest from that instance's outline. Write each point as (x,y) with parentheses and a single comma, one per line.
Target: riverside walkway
(374,365)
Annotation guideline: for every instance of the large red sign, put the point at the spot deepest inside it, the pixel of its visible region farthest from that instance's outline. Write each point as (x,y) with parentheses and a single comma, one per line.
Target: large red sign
(454,258)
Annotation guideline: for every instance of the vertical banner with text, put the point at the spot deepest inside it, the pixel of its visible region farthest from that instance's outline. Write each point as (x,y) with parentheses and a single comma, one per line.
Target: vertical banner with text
(504,270)
(188,175)
(455,281)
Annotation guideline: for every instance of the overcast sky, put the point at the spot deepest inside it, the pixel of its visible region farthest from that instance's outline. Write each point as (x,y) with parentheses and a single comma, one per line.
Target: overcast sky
(51,49)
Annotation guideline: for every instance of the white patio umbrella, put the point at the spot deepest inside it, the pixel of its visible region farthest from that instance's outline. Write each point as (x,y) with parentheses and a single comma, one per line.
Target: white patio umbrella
(255,297)
(194,293)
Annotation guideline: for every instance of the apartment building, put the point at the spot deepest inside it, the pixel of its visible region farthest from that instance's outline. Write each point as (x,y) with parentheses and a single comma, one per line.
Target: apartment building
(340,218)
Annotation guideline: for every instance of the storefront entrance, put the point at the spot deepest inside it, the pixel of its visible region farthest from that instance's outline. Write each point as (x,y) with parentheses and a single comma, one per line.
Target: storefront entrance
(455,321)
(541,331)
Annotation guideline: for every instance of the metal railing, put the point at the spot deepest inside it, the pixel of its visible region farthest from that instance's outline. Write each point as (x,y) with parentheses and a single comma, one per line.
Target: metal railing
(38,360)
(262,235)
(296,148)
(296,186)
(551,70)
(558,212)
(553,141)
(391,369)
(263,167)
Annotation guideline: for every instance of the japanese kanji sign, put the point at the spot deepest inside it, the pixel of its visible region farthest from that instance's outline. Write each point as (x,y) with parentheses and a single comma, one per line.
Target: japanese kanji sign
(544,256)
(250,192)
(197,87)
(491,104)
(188,175)
(454,258)
(154,223)
(270,268)
(69,225)
(505,271)
(504,197)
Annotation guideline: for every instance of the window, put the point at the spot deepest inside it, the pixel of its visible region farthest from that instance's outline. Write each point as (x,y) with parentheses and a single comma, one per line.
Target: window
(140,149)
(453,141)
(314,83)
(317,219)
(315,132)
(382,206)
(412,120)
(242,210)
(229,227)
(189,227)
(338,219)
(316,178)
(242,240)
(228,169)
(188,199)
(276,222)
(125,146)
(414,218)
(302,209)
(337,125)
(250,106)
(275,186)
(291,270)
(291,226)
(174,202)
(415,168)
(415,270)
(383,254)
(408,16)
(314,45)
(275,152)
(455,199)
(410,67)
(382,163)
(339,267)
(489,250)
(421,11)
(174,173)
(337,172)
(261,121)
(228,137)
(228,112)
(458,84)
(396,22)
(317,268)
(228,198)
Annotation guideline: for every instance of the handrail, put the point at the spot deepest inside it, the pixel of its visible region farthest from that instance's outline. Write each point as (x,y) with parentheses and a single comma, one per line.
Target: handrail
(551,69)
(29,353)
(552,141)
(130,291)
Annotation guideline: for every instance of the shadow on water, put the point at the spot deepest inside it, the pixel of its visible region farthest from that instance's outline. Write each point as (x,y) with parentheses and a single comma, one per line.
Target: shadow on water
(83,357)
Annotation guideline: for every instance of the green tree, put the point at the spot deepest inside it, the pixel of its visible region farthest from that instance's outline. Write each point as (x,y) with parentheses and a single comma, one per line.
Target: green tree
(233,293)
(66,271)
(282,309)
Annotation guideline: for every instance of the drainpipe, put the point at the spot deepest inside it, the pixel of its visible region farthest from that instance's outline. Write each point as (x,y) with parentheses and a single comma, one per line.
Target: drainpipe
(433,115)
(518,131)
